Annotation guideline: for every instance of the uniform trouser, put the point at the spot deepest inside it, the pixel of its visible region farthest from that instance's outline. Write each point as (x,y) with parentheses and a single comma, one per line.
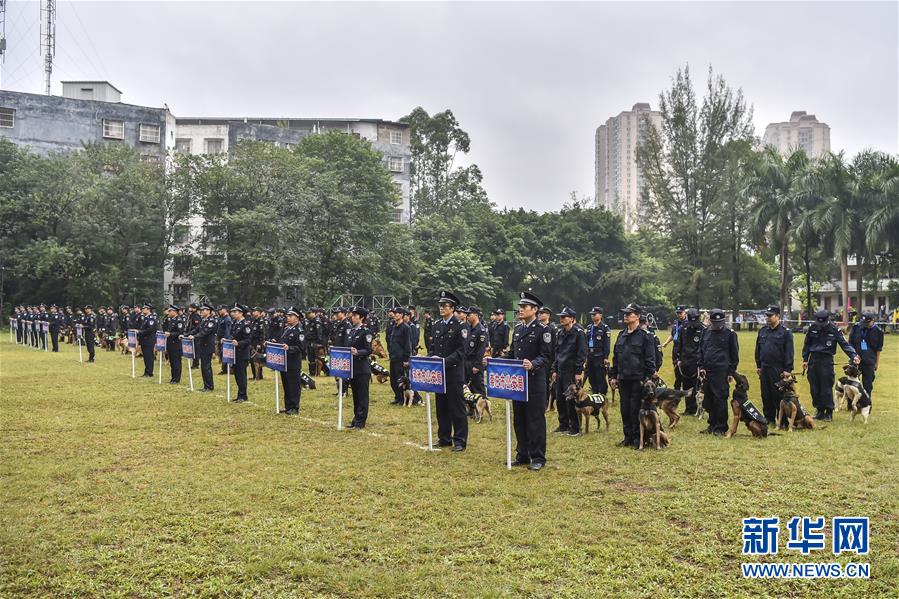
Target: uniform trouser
(820,381)
(89,342)
(530,422)
(568,418)
(689,373)
(312,358)
(717,390)
(291,381)
(43,339)
(240,377)
(206,370)
(452,417)
(868,375)
(596,374)
(174,353)
(148,352)
(768,380)
(359,384)
(475,379)
(630,392)
(397,372)
(54,339)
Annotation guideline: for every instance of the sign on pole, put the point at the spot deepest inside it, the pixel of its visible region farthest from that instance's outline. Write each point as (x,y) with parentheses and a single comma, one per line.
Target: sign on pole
(187,351)
(160,349)
(507,379)
(229,353)
(427,375)
(276,359)
(340,364)
(46,328)
(132,345)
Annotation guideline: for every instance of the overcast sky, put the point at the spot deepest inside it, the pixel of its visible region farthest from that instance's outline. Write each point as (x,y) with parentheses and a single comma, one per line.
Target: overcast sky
(530,82)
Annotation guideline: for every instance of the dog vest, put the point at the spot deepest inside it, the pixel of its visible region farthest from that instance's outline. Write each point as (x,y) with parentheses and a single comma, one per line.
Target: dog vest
(377,368)
(594,399)
(864,400)
(751,413)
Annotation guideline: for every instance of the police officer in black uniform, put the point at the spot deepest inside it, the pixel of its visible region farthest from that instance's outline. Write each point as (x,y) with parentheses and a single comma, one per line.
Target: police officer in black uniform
(499,335)
(222,331)
(173,326)
(599,337)
(293,340)
(532,343)
(719,355)
(568,368)
(773,360)
(428,330)
(313,331)
(56,320)
(866,338)
(818,351)
(257,342)
(450,337)
(680,321)
(89,326)
(632,364)
(204,344)
(193,322)
(359,342)
(688,357)
(399,347)
(242,335)
(146,337)
(474,352)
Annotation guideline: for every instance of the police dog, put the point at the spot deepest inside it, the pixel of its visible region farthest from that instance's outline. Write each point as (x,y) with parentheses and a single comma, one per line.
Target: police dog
(791,413)
(668,399)
(744,410)
(477,404)
(587,405)
(700,397)
(307,381)
(377,349)
(650,423)
(849,388)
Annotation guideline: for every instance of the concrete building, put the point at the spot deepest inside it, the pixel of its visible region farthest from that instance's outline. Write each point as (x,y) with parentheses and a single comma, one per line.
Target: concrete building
(618,181)
(830,295)
(802,131)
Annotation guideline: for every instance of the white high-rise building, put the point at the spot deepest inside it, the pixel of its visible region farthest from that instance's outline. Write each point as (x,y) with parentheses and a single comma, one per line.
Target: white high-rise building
(618,181)
(802,131)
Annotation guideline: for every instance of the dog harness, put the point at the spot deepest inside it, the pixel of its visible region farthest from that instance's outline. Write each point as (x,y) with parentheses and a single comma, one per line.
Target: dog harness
(751,413)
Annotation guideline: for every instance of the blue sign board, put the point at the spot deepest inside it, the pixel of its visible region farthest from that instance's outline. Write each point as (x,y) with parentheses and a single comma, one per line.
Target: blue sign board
(427,375)
(187,348)
(229,351)
(507,379)
(340,362)
(132,338)
(160,341)
(276,357)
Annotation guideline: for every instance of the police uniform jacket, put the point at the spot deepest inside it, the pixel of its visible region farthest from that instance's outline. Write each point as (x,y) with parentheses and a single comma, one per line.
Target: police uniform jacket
(571,350)
(360,338)
(719,350)
(873,342)
(532,342)
(399,343)
(295,340)
(242,334)
(822,340)
(634,357)
(598,341)
(774,348)
(146,335)
(449,341)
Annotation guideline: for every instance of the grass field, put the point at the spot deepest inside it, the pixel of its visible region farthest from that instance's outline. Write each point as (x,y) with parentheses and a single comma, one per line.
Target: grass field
(121,487)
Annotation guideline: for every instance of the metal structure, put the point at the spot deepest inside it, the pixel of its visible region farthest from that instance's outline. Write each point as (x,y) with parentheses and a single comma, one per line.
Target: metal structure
(2,31)
(376,304)
(48,39)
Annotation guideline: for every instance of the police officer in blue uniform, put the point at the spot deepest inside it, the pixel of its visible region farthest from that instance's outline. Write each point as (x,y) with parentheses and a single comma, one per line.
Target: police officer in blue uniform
(242,335)
(719,355)
(146,337)
(818,351)
(450,337)
(89,326)
(173,326)
(532,343)
(680,321)
(632,364)
(773,359)
(867,340)
(204,344)
(568,367)
(359,342)
(499,335)
(222,331)
(599,337)
(688,357)
(399,347)
(293,340)
(474,352)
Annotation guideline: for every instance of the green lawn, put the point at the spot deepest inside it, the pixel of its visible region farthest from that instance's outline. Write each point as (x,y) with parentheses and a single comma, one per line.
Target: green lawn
(121,487)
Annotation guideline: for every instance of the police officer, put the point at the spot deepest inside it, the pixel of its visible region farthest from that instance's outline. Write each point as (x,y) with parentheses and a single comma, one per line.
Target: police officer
(242,335)
(499,336)
(173,326)
(773,360)
(719,355)
(193,322)
(360,338)
(531,343)
(655,339)
(450,337)
(474,352)
(818,351)
(415,328)
(56,320)
(313,331)
(257,342)
(292,339)
(88,327)
(598,341)
(204,344)
(544,315)
(688,357)
(399,347)
(146,337)
(632,364)
(222,331)
(867,340)
(428,330)
(680,321)
(568,368)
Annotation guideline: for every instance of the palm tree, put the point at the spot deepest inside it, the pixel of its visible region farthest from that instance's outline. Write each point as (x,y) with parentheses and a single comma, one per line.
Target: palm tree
(773,187)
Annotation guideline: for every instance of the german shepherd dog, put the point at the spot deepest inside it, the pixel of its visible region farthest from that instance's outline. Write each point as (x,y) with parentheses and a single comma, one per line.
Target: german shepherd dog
(650,423)
(791,413)
(700,396)
(668,399)
(377,349)
(849,388)
(477,404)
(744,410)
(587,405)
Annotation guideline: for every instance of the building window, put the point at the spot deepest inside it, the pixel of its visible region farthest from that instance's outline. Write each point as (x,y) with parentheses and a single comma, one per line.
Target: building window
(7,117)
(396,138)
(398,187)
(395,164)
(113,129)
(149,158)
(181,234)
(214,146)
(397,215)
(181,293)
(149,133)
(182,146)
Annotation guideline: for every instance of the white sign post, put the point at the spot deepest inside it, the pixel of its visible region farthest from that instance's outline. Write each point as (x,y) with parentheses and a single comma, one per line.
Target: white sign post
(190,375)
(430,431)
(277,399)
(509,434)
(133,373)
(160,366)
(339,404)
(228,382)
